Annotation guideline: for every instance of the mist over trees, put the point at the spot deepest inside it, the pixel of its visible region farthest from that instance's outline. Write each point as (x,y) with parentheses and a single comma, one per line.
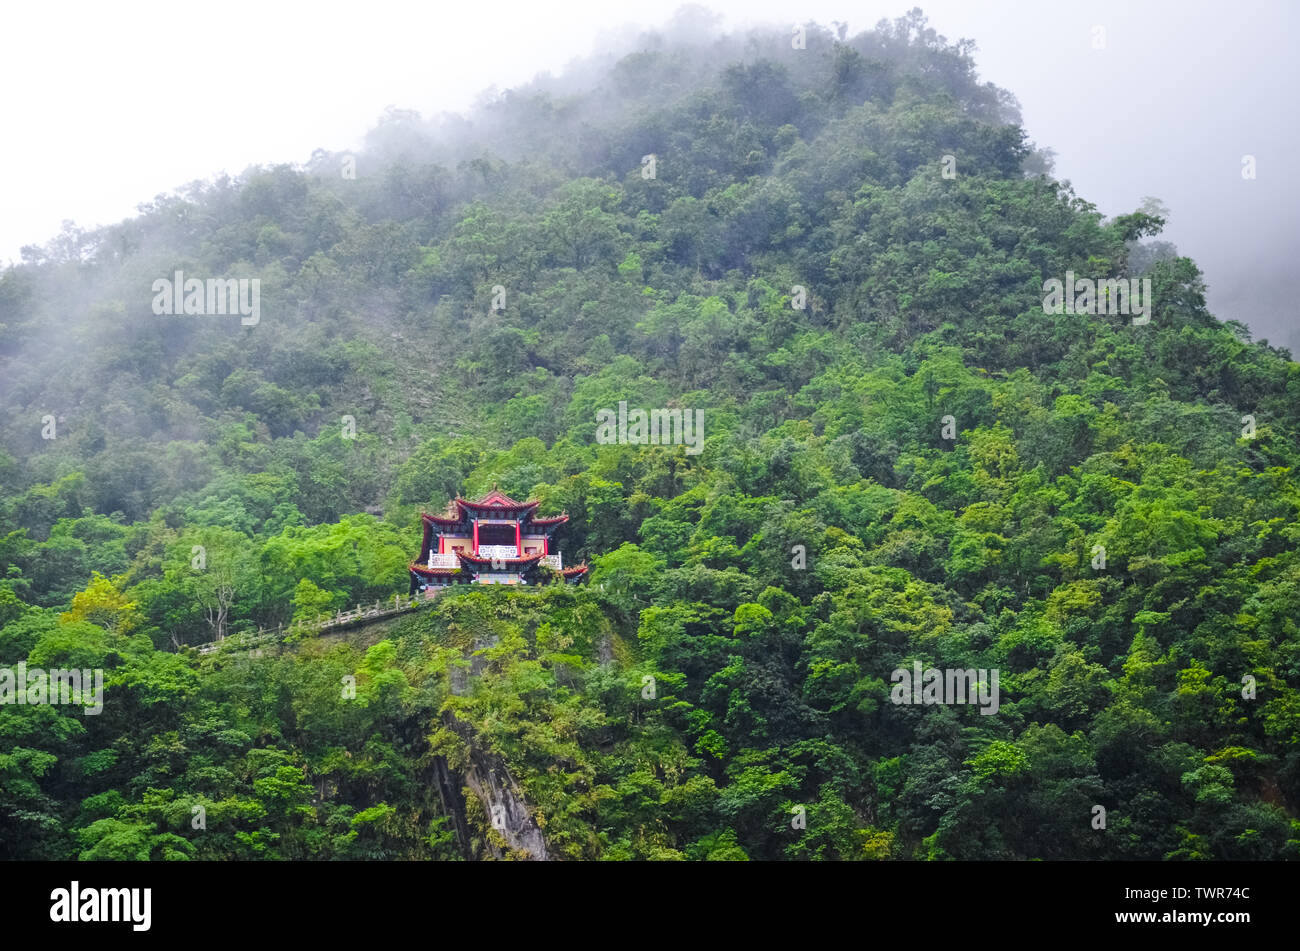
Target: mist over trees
(917,465)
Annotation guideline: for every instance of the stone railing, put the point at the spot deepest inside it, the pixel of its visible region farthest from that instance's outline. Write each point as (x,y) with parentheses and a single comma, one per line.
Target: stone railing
(443,561)
(361,614)
(553,561)
(498,551)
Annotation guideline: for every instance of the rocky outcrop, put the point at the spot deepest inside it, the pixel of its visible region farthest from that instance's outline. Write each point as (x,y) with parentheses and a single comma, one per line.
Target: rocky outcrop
(507,811)
(453,804)
(514,832)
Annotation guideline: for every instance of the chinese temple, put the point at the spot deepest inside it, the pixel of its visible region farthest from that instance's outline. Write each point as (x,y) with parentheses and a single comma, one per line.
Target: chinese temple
(494,540)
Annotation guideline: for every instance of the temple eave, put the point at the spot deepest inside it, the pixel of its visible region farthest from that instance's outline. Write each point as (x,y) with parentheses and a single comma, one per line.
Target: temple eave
(433,572)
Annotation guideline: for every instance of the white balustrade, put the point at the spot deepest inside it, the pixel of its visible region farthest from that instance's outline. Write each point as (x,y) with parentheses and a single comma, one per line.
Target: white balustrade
(443,561)
(498,551)
(554,561)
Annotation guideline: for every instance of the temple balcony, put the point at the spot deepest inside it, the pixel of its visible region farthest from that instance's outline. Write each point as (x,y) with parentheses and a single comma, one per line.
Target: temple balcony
(498,551)
(553,561)
(443,561)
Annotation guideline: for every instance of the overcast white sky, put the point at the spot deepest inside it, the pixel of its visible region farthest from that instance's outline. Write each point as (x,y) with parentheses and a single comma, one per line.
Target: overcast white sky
(108,104)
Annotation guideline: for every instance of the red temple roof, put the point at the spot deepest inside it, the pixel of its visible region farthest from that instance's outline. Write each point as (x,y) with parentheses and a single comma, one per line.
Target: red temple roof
(499,498)
(495,502)
(441,519)
(478,561)
(439,572)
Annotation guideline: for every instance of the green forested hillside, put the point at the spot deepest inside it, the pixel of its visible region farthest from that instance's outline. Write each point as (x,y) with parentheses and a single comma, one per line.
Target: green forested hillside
(730,659)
